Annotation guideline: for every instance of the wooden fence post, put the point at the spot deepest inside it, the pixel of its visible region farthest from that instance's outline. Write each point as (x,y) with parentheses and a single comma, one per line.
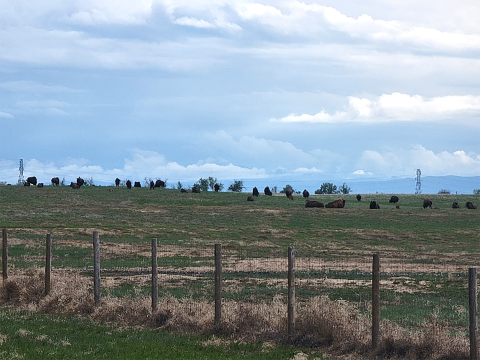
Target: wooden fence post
(218,285)
(154,276)
(375,300)
(96,267)
(48,263)
(291,293)
(4,254)
(472,290)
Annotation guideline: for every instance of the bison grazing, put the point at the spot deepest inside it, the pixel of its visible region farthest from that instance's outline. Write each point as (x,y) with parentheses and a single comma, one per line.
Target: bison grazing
(137,184)
(305,194)
(31,180)
(393,199)
(152,185)
(289,194)
(359,197)
(117,182)
(469,205)
(455,205)
(374,205)
(216,187)
(336,204)
(80,181)
(55,181)
(255,191)
(160,183)
(427,203)
(250,198)
(314,204)
(267,191)
(129,184)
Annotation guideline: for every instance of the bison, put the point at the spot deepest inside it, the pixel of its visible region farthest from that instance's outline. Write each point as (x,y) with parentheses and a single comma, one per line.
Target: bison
(117,182)
(336,204)
(359,197)
(469,205)
(267,191)
(31,180)
(137,184)
(314,204)
(183,190)
(216,187)
(455,205)
(152,185)
(255,191)
(160,184)
(80,181)
(393,199)
(129,184)
(427,203)
(74,185)
(250,198)
(55,181)
(306,194)
(289,194)
(374,205)
(40,185)
(195,189)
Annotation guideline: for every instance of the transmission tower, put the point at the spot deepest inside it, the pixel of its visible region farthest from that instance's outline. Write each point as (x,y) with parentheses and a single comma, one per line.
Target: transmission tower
(21,180)
(418,186)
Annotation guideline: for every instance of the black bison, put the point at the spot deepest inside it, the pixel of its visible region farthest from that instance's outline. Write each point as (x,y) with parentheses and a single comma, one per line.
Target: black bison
(40,185)
(455,205)
(74,185)
(80,181)
(267,191)
(195,189)
(314,204)
(469,205)
(137,184)
(305,194)
(427,203)
(117,182)
(31,180)
(129,184)
(374,205)
(393,199)
(183,190)
(160,184)
(255,191)
(359,197)
(152,185)
(216,187)
(55,181)
(336,204)
(250,198)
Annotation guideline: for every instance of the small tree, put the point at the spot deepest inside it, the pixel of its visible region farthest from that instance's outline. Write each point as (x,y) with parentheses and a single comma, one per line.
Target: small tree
(344,189)
(236,186)
(203,184)
(476,192)
(444,192)
(287,187)
(89,182)
(327,188)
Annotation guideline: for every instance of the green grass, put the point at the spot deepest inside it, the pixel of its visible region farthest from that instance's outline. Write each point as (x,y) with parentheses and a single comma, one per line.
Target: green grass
(26,335)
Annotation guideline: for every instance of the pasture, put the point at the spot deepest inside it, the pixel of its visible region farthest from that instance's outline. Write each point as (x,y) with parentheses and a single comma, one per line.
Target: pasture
(425,253)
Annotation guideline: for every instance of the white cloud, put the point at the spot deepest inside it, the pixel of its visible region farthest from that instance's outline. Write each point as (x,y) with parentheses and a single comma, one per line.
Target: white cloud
(397,107)
(5,115)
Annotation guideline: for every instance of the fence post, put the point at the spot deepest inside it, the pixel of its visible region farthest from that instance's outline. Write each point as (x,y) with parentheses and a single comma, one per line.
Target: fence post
(48,263)
(218,285)
(154,276)
(375,300)
(291,293)
(4,254)
(472,290)
(96,267)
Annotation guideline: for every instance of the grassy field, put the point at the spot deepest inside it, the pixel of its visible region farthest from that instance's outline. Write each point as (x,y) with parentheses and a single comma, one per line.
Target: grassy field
(425,253)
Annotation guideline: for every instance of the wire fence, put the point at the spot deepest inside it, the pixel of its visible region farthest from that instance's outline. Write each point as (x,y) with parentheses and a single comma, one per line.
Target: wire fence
(413,290)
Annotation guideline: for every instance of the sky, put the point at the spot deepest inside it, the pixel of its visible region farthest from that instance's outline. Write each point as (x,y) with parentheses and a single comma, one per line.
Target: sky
(279,92)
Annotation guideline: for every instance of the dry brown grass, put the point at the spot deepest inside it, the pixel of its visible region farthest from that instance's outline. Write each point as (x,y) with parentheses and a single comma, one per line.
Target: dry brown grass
(335,326)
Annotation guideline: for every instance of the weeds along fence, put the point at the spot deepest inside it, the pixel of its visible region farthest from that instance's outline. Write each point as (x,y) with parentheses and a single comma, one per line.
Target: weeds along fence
(391,286)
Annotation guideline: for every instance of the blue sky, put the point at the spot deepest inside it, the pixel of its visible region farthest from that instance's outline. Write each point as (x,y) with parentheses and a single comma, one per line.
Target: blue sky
(282,91)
